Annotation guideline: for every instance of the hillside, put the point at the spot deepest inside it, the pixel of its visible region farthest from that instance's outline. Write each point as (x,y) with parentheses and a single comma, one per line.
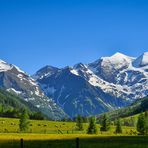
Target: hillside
(139,106)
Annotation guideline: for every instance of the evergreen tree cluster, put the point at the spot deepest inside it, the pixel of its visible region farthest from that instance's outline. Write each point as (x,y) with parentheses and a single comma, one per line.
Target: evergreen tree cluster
(92,127)
(142,123)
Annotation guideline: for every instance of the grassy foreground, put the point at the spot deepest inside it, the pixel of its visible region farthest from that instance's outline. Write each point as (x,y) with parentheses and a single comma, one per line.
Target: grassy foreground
(51,134)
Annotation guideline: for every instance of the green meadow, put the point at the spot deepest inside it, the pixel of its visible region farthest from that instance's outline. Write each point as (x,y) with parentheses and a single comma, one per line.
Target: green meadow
(55,134)
(10,125)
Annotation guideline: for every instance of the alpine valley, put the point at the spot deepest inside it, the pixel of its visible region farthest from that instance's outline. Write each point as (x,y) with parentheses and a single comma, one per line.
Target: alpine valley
(87,89)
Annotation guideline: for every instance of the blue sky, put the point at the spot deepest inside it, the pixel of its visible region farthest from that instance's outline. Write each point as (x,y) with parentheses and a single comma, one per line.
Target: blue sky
(35,33)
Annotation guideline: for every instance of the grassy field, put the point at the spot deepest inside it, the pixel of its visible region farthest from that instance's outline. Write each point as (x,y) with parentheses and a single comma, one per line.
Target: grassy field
(8,125)
(63,134)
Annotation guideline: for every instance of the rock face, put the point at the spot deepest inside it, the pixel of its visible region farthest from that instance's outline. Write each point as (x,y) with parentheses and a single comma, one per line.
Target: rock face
(103,85)
(17,81)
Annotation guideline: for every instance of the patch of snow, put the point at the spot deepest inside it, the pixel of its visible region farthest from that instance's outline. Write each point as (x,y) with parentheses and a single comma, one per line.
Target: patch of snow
(38,92)
(19,70)
(26,99)
(32,81)
(15,91)
(38,106)
(20,76)
(74,72)
(50,107)
(30,99)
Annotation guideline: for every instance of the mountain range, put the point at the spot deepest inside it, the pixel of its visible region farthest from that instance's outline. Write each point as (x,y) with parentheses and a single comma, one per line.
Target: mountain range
(89,89)
(107,84)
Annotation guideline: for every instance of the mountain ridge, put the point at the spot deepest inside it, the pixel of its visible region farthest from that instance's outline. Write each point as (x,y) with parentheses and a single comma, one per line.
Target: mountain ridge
(114,82)
(88,89)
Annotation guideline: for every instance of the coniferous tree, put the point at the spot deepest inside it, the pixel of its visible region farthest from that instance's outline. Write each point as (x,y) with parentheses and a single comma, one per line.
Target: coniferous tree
(24,121)
(118,127)
(79,123)
(105,124)
(92,128)
(141,124)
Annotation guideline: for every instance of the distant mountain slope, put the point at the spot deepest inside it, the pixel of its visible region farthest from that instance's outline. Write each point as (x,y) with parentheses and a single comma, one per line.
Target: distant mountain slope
(17,81)
(104,85)
(77,96)
(138,106)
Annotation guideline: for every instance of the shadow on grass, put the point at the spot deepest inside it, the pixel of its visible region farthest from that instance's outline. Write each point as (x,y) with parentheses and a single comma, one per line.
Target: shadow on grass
(100,142)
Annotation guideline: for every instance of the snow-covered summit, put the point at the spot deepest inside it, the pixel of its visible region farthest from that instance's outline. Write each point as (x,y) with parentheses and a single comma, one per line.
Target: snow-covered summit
(4,66)
(107,68)
(120,55)
(117,58)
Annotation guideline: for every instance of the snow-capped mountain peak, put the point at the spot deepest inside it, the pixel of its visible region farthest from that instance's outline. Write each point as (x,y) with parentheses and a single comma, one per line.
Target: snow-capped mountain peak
(4,66)
(118,54)
(117,58)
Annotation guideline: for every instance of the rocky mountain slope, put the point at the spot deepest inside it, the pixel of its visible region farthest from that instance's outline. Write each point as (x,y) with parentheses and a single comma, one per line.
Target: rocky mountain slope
(17,81)
(88,89)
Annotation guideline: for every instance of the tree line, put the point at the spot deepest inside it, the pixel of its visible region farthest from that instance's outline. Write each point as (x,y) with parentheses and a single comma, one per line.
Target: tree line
(141,126)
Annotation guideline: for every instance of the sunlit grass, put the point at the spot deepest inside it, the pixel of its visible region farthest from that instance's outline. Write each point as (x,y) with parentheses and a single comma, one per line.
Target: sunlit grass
(8,125)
